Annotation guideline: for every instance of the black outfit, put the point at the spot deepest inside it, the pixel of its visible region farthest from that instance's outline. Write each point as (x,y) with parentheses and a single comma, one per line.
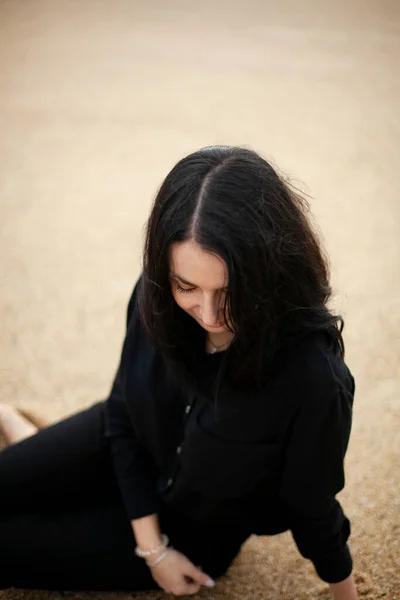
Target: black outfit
(215,472)
(62,522)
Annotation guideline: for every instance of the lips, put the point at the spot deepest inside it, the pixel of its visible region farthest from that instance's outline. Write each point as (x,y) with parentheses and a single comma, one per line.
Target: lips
(210,326)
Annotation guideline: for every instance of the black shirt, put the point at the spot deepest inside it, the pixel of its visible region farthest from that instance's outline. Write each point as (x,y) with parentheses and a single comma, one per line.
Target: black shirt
(271,461)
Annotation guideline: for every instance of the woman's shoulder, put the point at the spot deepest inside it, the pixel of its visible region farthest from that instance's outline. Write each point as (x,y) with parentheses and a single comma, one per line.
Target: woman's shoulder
(314,365)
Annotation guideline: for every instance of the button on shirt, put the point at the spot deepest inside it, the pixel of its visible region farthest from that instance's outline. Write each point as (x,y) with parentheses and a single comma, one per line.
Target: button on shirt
(271,461)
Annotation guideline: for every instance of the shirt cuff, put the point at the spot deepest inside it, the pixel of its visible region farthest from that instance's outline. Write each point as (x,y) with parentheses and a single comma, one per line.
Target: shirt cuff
(139,500)
(335,567)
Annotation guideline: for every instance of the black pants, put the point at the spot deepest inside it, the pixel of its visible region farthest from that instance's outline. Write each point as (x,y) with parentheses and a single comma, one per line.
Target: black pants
(62,522)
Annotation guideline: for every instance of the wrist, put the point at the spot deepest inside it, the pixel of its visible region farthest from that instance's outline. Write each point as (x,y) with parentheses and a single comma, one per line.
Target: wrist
(155,551)
(147,532)
(156,560)
(147,544)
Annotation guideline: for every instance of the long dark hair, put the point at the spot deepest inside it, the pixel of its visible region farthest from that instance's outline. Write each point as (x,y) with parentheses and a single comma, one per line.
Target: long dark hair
(235,205)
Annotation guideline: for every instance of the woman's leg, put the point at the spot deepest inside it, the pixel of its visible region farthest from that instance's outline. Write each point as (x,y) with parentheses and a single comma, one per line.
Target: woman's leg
(62,522)
(212,547)
(89,548)
(47,470)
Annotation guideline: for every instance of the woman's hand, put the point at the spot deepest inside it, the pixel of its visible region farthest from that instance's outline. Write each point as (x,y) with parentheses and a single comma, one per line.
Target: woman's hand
(345,590)
(175,574)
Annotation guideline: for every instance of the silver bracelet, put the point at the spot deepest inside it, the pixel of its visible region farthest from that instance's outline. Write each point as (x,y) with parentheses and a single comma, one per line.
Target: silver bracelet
(146,553)
(158,560)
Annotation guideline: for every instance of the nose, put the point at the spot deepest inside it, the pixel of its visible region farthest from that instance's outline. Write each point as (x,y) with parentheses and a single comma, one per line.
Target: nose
(210,314)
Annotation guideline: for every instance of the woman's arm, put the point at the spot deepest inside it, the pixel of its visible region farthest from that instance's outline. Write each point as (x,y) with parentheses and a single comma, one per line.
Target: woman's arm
(314,470)
(345,590)
(147,532)
(134,469)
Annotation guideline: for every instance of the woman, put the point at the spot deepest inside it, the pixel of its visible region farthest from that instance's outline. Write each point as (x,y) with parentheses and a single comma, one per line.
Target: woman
(230,413)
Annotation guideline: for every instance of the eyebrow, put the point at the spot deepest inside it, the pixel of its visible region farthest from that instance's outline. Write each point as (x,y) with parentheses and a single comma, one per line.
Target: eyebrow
(182,280)
(188,282)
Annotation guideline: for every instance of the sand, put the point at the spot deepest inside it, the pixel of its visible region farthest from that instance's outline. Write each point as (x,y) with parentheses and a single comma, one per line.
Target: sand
(98,99)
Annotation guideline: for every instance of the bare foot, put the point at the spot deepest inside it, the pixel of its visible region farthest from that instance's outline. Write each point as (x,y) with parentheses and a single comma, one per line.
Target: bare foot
(14,426)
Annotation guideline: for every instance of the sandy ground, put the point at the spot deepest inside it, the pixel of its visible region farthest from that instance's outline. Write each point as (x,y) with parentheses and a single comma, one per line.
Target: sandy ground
(98,99)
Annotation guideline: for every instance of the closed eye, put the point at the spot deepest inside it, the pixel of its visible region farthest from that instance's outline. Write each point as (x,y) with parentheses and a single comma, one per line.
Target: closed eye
(184,290)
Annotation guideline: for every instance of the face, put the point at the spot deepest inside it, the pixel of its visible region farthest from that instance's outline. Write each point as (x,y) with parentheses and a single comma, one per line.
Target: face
(199,282)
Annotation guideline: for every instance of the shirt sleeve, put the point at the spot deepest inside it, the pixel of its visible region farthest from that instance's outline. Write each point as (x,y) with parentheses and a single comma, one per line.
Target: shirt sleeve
(134,468)
(314,472)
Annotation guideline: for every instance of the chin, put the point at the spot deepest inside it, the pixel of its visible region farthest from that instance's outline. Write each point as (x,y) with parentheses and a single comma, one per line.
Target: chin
(217,329)
(221,329)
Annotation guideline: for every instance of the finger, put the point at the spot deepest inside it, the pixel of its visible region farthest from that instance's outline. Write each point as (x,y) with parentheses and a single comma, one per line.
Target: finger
(192,588)
(202,578)
(187,589)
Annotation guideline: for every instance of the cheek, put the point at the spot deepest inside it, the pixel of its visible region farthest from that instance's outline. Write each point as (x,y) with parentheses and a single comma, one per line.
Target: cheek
(185,301)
